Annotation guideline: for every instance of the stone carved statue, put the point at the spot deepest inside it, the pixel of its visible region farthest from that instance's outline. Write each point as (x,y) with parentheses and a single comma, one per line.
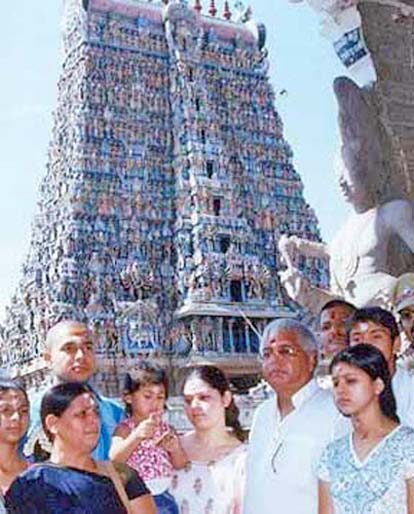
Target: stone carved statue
(376,243)
(340,22)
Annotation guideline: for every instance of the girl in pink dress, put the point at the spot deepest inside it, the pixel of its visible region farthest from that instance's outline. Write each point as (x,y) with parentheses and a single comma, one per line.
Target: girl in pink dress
(143,440)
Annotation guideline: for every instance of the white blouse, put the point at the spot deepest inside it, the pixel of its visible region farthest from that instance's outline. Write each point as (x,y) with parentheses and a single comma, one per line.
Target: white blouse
(214,487)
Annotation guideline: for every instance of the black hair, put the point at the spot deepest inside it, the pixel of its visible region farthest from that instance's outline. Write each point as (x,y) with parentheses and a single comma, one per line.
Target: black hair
(145,373)
(13,384)
(216,379)
(376,315)
(371,360)
(58,399)
(337,303)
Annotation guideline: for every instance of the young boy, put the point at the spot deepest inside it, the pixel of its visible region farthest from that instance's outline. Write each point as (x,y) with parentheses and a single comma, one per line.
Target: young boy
(378,327)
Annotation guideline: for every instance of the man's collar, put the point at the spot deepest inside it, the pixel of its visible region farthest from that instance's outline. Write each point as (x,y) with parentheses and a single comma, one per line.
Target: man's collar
(304,393)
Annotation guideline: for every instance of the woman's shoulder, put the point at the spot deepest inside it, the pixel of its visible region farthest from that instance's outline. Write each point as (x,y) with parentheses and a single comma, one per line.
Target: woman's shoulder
(125,472)
(31,482)
(37,471)
(339,445)
(236,446)
(132,482)
(237,454)
(404,435)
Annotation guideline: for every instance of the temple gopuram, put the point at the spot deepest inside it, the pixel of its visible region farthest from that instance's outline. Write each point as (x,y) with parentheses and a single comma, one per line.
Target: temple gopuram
(167,187)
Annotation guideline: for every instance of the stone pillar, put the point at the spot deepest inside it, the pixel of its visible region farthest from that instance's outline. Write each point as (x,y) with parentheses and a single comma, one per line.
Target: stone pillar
(230,324)
(247,332)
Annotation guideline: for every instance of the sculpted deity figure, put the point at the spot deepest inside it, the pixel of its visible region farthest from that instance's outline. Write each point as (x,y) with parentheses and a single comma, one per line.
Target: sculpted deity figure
(375,244)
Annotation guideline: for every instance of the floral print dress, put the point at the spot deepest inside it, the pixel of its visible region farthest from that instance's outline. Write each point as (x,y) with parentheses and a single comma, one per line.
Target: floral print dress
(214,487)
(376,485)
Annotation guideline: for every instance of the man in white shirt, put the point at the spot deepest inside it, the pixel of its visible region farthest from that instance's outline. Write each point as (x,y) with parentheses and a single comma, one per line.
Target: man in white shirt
(378,327)
(291,428)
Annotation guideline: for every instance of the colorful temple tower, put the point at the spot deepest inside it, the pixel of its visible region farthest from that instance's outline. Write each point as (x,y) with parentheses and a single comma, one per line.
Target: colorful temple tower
(168,185)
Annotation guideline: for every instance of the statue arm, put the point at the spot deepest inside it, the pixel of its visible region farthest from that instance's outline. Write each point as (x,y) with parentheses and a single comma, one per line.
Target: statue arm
(292,246)
(297,286)
(399,217)
(312,249)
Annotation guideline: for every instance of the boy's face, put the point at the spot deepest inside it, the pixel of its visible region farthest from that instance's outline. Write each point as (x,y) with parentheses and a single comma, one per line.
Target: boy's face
(148,399)
(377,335)
(72,356)
(332,332)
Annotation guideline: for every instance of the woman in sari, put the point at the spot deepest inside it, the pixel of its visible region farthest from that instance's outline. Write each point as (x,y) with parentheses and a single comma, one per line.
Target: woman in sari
(72,481)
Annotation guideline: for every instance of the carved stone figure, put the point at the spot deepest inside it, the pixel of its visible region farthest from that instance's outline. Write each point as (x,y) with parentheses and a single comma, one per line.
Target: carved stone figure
(376,242)
(340,22)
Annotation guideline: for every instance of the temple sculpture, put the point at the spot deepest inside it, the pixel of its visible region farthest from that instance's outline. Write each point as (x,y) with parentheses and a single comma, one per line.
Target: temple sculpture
(167,188)
(376,244)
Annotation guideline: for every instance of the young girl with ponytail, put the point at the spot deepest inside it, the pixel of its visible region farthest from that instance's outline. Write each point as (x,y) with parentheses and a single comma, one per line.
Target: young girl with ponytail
(213,480)
(144,440)
(370,471)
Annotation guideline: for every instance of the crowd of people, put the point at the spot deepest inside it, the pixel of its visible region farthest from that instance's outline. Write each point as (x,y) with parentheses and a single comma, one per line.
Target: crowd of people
(344,444)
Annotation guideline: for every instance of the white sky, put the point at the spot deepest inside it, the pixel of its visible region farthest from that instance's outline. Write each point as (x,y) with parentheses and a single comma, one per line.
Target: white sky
(302,63)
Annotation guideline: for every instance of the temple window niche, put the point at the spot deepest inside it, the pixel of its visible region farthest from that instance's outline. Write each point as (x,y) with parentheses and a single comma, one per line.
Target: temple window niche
(224,243)
(239,336)
(210,169)
(236,291)
(216,206)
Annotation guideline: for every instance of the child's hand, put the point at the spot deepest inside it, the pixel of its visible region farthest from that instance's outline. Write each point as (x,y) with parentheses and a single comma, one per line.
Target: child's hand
(169,441)
(146,428)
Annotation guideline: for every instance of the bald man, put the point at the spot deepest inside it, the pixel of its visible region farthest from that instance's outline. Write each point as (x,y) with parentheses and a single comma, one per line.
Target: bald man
(70,355)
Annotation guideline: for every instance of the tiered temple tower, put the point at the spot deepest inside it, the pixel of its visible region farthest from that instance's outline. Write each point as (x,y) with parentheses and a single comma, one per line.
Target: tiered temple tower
(167,188)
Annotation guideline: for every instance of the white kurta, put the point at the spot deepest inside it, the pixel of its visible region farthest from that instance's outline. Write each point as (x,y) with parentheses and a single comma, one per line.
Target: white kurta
(283,454)
(403,387)
(214,487)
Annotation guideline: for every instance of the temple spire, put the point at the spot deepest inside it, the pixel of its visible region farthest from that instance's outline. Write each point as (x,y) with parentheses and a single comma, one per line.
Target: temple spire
(227,12)
(212,10)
